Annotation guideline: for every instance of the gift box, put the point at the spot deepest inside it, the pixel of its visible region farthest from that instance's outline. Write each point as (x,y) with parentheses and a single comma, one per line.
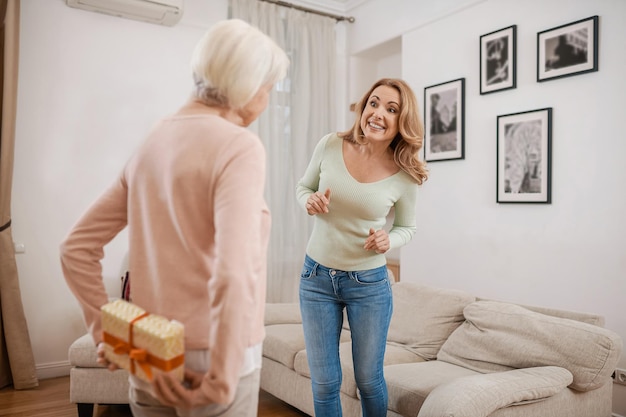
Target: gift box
(140,342)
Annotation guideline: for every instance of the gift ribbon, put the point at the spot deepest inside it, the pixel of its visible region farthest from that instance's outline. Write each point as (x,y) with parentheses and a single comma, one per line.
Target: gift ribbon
(140,356)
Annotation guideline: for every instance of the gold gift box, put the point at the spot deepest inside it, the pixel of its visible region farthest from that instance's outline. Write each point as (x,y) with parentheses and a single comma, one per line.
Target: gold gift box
(142,343)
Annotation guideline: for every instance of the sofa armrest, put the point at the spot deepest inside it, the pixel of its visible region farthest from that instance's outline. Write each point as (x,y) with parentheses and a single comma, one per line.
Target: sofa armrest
(282,313)
(481,395)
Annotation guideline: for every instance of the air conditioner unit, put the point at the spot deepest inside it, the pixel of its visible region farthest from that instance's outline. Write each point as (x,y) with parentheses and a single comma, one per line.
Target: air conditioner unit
(162,12)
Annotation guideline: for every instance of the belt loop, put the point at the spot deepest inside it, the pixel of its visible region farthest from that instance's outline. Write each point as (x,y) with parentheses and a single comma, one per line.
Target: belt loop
(314,269)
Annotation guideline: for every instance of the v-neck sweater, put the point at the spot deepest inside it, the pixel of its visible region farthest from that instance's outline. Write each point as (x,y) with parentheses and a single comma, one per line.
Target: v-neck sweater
(338,237)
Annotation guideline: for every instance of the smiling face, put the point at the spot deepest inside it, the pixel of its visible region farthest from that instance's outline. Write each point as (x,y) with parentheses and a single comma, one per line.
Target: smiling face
(379,120)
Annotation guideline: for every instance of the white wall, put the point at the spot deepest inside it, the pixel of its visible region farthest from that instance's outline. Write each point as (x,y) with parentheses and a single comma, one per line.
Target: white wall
(369,65)
(569,254)
(378,21)
(90,86)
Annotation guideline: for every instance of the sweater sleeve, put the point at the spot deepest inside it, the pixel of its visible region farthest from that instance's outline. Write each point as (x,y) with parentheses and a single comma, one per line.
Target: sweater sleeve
(233,287)
(310,181)
(404,222)
(83,249)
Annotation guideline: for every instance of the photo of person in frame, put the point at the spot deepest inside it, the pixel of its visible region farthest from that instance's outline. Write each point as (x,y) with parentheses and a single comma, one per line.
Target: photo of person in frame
(443,121)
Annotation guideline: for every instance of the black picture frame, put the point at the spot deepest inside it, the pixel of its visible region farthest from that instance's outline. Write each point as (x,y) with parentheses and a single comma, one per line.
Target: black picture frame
(524,155)
(567,50)
(498,60)
(444,121)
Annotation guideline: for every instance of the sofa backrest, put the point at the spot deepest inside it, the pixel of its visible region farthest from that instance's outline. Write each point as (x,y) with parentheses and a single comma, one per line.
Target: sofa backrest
(423,316)
(503,336)
(590,318)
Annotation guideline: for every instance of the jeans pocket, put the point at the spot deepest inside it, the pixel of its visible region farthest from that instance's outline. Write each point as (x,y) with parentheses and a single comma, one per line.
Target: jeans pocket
(371,276)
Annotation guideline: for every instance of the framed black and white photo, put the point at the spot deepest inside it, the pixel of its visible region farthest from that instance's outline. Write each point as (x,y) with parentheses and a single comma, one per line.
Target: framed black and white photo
(498,51)
(444,114)
(567,50)
(524,146)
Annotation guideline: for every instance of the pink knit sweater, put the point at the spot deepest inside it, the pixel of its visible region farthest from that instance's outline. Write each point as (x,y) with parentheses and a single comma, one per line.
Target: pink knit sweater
(198,226)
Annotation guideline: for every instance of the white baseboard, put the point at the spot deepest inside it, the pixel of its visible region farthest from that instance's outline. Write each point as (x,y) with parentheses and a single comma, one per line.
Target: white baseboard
(616,415)
(54,370)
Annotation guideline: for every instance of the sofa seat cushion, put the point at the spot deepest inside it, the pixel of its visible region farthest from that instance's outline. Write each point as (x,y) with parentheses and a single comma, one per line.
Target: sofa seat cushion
(282,313)
(97,386)
(83,353)
(500,336)
(423,316)
(393,355)
(408,385)
(481,395)
(282,343)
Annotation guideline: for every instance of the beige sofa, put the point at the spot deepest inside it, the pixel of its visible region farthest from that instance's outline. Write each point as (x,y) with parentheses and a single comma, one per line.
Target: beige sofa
(90,382)
(450,354)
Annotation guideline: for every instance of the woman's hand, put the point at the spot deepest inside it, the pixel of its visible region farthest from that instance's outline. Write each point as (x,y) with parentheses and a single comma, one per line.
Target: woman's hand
(174,393)
(378,241)
(318,203)
(102,360)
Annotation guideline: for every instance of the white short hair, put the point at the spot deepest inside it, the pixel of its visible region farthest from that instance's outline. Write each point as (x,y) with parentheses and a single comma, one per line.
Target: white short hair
(232,61)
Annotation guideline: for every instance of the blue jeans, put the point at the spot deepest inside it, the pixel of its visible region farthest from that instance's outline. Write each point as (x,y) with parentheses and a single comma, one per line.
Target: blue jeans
(366,296)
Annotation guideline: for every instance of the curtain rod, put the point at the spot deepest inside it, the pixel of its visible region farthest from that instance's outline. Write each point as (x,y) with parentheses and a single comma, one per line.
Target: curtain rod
(305,9)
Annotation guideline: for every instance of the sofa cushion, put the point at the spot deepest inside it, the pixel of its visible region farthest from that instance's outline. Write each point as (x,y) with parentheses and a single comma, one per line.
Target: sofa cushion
(590,318)
(409,384)
(282,313)
(480,395)
(500,336)
(83,353)
(423,316)
(393,355)
(282,343)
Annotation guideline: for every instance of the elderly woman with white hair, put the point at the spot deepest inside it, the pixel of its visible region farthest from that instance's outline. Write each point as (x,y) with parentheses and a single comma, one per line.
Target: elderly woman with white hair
(198,228)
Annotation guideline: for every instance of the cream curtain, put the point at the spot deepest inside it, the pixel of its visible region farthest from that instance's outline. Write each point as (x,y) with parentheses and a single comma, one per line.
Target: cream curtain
(301,111)
(17,364)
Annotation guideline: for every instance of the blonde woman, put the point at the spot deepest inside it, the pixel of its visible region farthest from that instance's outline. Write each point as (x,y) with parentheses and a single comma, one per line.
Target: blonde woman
(192,198)
(352,182)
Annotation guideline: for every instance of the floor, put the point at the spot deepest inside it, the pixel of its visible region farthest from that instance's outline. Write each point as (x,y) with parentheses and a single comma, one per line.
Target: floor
(51,399)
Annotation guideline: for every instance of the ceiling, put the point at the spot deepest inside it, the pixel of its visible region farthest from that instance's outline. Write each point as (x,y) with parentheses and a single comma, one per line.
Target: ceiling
(329,6)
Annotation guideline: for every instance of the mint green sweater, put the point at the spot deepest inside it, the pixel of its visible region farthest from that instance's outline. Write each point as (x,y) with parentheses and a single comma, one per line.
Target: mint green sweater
(338,236)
